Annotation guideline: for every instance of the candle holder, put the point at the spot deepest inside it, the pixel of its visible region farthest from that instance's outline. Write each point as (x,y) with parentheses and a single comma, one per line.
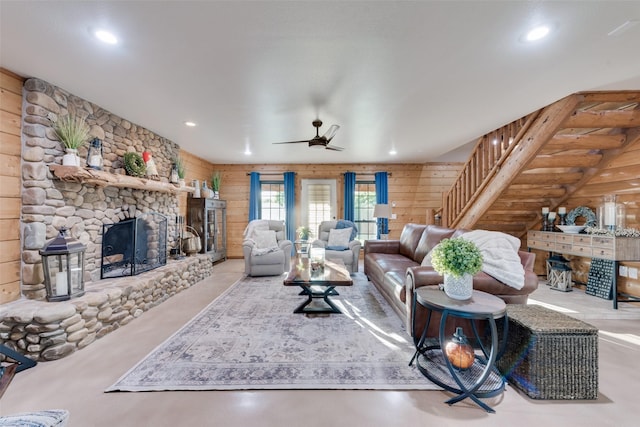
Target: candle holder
(610,212)
(551,219)
(545,222)
(562,218)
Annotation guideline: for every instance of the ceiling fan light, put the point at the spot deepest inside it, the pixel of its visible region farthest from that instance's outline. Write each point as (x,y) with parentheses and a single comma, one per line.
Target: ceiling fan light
(317,143)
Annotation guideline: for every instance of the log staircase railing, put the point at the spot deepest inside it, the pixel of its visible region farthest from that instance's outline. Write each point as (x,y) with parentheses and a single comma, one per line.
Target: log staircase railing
(485,161)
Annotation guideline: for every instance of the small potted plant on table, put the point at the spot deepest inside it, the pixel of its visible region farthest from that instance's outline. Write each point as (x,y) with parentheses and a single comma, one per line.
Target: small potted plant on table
(302,244)
(457,259)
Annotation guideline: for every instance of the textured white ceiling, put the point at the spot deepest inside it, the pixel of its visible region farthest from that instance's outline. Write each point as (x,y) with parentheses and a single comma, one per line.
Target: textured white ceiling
(421,77)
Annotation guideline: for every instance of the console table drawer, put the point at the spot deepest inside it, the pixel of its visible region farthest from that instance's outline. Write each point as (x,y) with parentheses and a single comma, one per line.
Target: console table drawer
(564,238)
(540,244)
(603,242)
(604,253)
(563,247)
(581,250)
(582,240)
(541,236)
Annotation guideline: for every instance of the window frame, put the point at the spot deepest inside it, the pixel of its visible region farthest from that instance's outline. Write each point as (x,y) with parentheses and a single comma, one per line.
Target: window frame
(282,210)
(361,223)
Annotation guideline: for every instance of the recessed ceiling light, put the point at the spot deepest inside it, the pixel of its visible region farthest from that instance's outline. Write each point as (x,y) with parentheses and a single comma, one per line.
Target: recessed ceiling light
(106,36)
(538,33)
(190,124)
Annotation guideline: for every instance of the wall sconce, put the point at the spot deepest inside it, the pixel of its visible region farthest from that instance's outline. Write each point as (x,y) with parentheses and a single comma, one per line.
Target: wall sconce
(382,212)
(63,264)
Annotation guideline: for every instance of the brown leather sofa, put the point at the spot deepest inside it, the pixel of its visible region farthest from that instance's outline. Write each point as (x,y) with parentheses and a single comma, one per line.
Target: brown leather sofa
(393,266)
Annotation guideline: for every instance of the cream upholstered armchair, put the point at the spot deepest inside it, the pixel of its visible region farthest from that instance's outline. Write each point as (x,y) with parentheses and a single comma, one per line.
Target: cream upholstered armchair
(338,240)
(266,250)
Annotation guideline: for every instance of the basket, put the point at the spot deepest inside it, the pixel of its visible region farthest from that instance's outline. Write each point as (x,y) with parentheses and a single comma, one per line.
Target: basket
(191,243)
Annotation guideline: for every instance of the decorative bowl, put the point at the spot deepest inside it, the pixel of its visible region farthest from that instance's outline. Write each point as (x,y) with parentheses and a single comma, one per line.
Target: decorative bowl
(574,229)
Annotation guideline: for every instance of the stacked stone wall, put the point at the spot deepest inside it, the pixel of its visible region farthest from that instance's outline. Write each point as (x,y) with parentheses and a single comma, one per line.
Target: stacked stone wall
(49,204)
(49,331)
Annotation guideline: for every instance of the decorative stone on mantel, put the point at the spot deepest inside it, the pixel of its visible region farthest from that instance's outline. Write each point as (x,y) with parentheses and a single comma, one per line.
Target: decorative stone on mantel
(106,179)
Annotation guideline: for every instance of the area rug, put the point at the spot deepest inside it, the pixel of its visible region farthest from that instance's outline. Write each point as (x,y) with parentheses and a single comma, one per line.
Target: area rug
(249,338)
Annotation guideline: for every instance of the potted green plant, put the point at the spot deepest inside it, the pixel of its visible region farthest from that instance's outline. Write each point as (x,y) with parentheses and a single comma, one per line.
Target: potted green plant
(72,131)
(457,259)
(303,244)
(303,232)
(180,170)
(216,180)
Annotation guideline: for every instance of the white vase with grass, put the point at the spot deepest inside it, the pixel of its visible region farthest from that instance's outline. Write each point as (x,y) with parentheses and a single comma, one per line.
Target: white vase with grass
(72,131)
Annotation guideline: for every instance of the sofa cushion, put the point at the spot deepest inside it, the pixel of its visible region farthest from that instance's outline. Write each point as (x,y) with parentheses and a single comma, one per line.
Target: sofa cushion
(409,239)
(431,236)
(339,239)
(394,280)
(265,239)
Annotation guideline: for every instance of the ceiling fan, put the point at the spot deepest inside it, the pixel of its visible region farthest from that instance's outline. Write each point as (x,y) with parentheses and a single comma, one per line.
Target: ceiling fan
(319,141)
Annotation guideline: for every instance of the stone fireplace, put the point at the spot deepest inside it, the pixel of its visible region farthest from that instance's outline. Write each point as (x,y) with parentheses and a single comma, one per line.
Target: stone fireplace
(89,203)
(85,209)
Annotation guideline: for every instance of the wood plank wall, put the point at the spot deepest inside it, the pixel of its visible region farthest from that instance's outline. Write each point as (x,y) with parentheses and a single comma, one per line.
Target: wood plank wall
(413,187)
(620,177)
(10,156)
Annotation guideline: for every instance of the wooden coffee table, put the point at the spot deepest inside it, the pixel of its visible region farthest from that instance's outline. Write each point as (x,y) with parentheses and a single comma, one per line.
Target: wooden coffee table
(318,286)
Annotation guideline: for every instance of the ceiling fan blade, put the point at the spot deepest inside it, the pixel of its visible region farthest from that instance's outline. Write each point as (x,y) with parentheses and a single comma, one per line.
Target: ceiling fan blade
(334,148)
(290,142)
(329,134)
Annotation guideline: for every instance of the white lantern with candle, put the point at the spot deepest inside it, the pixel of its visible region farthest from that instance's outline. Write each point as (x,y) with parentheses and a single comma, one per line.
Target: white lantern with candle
(63,265)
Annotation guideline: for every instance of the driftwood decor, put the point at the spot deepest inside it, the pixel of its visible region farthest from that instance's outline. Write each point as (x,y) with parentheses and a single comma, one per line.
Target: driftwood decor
(106,179)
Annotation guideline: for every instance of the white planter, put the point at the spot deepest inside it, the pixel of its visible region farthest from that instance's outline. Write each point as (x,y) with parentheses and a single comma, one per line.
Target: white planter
(460,288)
(71,158)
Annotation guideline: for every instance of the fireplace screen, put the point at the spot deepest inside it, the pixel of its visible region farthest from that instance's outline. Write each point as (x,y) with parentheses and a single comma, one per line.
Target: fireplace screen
(134,245)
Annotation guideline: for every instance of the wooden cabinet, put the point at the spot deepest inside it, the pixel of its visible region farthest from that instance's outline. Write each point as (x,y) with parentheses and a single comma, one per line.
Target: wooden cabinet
(209,218)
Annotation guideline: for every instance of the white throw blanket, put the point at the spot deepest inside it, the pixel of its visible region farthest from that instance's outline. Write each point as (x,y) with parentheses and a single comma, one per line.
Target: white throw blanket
(250,233)
(255,225)
(500,254)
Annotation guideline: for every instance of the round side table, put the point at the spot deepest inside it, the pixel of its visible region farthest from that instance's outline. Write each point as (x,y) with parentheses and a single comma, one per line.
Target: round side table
(481,379)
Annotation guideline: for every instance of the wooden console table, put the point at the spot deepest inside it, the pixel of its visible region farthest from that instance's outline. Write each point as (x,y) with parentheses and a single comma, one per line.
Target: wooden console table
(598,247)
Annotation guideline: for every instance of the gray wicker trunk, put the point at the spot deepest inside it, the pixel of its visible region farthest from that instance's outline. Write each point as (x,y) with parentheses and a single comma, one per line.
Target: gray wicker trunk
(550,355)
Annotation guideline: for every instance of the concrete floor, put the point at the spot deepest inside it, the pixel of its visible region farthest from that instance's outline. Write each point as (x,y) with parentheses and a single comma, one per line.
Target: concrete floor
(76,383)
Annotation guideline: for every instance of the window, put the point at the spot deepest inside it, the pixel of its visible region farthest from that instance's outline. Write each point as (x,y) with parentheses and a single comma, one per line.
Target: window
(365,201)
(318,202)
(272,200)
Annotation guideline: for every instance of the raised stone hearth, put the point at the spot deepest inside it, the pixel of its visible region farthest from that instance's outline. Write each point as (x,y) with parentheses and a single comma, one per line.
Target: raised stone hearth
(52,330)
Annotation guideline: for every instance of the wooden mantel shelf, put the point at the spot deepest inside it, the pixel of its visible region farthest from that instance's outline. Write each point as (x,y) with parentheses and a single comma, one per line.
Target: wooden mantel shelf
(107,179)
